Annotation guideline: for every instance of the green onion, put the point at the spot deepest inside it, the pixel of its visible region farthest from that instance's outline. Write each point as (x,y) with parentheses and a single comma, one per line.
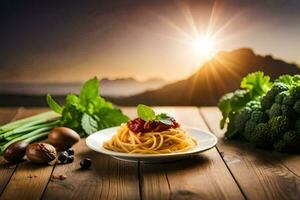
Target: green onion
(36,119)
(25,129)
(28,129)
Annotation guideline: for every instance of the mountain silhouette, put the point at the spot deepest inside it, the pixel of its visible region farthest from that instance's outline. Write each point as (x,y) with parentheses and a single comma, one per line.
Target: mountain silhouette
(214,78)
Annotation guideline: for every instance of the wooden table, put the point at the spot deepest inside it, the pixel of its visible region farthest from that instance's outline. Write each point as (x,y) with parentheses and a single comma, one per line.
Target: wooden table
(232,170)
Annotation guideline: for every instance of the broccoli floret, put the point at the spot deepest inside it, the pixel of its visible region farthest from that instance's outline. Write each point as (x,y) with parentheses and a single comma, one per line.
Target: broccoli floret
(279,87)
(254,105)
(285,79)
(241,118)
(277,126)
(275,110)
(279,146)
(279,97)
(290,142)
(296,78)
(297,126)
(266,134)
(249,129)
(267,112)
(289,100)
(231,103)
(258,116)
(295,91)
(287,111)
(297,106)
(238,98)
(267,100)
(260,136)
(231,131)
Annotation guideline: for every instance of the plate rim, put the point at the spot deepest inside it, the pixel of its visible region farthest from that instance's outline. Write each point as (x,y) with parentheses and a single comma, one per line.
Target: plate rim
(145,156)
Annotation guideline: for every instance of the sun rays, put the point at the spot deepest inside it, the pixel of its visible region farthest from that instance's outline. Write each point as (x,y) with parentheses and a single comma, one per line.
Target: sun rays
(204,41)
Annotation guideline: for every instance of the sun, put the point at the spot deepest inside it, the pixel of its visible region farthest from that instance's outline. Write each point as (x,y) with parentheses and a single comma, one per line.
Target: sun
(204,46)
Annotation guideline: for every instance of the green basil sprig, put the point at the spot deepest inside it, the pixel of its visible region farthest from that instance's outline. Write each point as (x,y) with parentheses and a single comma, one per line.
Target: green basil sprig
(148,114)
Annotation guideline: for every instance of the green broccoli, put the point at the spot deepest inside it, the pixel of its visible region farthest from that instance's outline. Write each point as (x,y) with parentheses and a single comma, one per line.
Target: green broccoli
(295,91)
(279,97)
(296,106)
(289,143)
(249,129)
(231,130)
(264,113)
(258,116)
(260,136)
(279,87)
(285,79)
(296,78)
(297,126)
(254,105)
(268,100)
(287,111)
(241,118)
(232,102)
(275,110)
(277,126)
(289,100)
(279,146)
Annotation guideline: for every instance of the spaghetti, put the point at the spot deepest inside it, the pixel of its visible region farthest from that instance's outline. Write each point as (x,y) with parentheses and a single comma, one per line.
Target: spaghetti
(167,141)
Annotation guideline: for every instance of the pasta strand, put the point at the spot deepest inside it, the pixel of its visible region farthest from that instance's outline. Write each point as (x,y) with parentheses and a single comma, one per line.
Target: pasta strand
(172,140)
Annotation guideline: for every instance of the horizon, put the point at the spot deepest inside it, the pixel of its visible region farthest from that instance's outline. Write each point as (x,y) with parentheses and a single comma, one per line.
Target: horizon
(139,39)
(137,79)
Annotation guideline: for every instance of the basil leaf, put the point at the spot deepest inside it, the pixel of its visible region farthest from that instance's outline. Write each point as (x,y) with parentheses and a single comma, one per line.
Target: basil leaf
(145,112)
(108,117)
(166,121)
(88,112)
(89,91)
(54,105)
(88,124)
(73,100)
(71,117)
(161,116)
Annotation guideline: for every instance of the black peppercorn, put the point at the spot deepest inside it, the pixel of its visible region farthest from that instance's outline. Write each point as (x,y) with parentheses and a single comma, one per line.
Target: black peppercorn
(70,159)
(70,151)
(63,156)
(86,163)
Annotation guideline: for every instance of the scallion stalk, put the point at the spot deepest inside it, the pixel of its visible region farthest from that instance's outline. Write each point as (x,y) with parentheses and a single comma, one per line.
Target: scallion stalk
(28,129)
(29,121)
(26,136)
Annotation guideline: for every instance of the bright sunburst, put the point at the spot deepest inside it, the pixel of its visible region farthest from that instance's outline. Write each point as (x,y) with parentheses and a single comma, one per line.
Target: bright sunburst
(204,46)
(202,41)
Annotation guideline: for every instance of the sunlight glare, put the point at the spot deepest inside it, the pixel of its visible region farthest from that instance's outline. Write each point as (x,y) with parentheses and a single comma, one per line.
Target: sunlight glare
(204,46)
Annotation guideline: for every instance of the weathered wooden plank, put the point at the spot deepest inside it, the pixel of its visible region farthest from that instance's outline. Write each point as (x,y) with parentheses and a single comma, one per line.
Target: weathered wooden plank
(203,176)
(153,180)
(29,180)
(6,169)
(108,178)
(260,174)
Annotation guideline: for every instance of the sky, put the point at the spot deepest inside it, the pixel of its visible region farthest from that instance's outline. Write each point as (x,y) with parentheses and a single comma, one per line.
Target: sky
(71,41)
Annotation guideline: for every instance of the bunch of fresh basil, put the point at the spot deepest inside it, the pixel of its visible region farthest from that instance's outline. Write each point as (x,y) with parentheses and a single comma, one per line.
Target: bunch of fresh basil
(87,112)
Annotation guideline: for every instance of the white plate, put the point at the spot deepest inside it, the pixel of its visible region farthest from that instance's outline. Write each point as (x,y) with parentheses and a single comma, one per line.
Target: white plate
(205,141)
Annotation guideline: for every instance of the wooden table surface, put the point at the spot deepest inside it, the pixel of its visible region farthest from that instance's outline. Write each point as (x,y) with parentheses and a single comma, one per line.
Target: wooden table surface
(231,170)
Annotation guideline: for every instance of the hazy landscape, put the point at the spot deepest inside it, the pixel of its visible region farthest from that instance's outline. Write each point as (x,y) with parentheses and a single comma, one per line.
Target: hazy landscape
(151,52)
(214,78)
(109,87)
